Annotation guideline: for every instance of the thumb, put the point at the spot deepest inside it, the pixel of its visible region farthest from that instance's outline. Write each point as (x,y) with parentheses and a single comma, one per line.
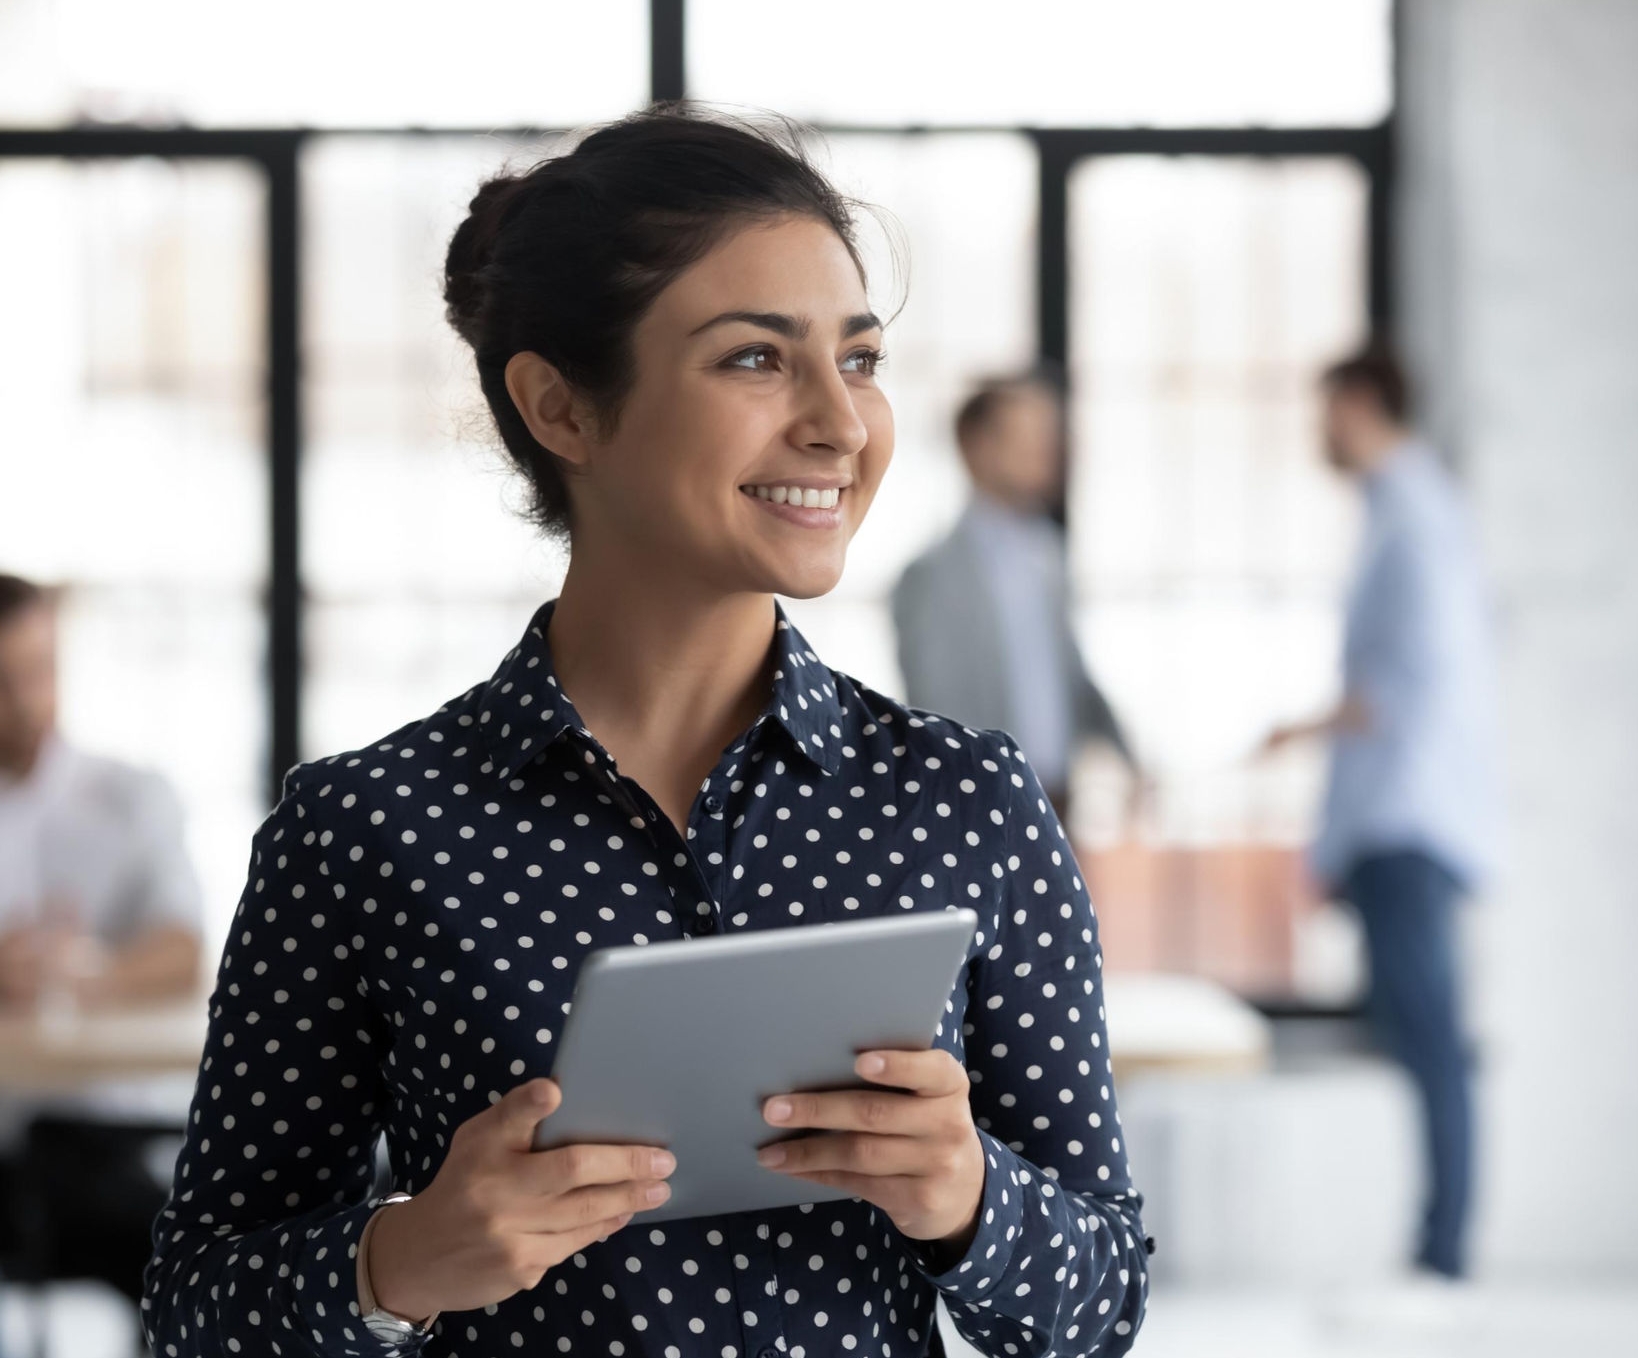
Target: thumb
(523,1106)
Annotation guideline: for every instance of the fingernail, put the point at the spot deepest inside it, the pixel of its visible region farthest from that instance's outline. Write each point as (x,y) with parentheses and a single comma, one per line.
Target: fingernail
(779,1110)
(664,1162)
(770,1157)
(659,1193)
(872,1065)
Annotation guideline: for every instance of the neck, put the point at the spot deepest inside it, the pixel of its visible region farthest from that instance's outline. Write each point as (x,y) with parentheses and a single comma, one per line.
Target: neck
(1015,504)
(682,664)
(18,761)
(1376,445)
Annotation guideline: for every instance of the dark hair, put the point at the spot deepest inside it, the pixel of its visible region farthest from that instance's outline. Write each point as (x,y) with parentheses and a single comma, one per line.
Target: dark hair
(17,594)
(564,259)
(1375,369)
(988,396)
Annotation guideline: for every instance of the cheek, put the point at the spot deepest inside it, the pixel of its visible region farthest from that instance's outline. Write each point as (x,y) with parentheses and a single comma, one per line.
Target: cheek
(877,415)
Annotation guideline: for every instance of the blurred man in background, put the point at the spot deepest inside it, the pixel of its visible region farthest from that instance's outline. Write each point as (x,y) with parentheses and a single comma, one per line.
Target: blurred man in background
(1407,819)
(98,907)
(983,616)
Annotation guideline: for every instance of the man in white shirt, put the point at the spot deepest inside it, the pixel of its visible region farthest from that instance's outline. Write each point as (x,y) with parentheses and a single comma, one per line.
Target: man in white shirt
(1409,813)
(99,905)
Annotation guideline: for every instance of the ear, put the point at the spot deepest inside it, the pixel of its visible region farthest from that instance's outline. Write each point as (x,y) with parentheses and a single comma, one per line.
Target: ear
(555,416)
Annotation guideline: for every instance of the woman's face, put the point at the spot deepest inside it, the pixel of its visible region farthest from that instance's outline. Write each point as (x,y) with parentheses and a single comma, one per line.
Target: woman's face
(755,378)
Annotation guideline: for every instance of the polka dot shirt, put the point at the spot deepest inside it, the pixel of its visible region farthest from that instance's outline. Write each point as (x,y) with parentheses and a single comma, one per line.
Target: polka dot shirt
(405,950)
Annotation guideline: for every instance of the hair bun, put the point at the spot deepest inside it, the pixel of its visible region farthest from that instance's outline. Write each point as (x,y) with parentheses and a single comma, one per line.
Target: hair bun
(470,250)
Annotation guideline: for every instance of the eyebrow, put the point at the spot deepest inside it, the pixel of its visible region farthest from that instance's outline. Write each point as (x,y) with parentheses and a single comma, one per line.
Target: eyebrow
(791,327)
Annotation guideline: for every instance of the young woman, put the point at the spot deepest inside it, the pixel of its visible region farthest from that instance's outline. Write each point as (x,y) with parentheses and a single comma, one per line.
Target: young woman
(671,327)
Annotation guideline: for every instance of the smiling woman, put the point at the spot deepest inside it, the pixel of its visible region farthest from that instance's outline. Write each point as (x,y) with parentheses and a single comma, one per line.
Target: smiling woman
(672,328)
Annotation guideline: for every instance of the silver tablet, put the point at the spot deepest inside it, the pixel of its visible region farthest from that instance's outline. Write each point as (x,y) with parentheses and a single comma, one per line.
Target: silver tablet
(678,1044)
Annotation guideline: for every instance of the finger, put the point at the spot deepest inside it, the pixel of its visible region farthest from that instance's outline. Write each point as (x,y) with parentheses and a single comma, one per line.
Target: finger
(850,1110)
(522,1107)
(848,1152)
(563,1244)
(882,1192)
(931,1074)
(589,1164)
(583,1207)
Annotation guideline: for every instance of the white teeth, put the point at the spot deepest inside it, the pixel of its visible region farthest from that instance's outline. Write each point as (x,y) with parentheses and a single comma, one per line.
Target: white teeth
(797,495)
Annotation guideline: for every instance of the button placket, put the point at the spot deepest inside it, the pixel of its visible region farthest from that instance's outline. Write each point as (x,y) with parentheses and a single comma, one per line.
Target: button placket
(709,823)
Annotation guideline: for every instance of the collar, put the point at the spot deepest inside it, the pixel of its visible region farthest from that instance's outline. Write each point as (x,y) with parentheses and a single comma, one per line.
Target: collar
(51,763)
(523,709)
(1398,462)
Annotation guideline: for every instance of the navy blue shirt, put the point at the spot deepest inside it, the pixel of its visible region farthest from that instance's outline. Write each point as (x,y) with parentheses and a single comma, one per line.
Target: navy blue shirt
(405,950)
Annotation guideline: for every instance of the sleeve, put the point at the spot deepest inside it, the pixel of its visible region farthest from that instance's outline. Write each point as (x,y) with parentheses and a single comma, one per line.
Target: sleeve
(254,1250)
(1059,1264)
(163,887)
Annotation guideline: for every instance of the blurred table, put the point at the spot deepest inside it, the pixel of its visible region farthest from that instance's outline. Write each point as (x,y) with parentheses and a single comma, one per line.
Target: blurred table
(1160,1021)
(62,1051)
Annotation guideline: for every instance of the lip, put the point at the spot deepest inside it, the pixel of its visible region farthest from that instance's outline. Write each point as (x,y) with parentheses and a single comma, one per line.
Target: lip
(798,514)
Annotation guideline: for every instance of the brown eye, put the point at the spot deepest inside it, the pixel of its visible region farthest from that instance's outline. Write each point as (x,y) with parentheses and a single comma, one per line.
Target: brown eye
(756,359)
(868,359)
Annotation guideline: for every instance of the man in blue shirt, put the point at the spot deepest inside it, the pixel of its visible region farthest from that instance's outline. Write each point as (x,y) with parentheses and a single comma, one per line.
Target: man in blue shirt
(1408,810)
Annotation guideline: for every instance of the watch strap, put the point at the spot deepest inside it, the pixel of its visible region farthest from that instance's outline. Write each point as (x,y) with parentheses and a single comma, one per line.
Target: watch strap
(368,1307)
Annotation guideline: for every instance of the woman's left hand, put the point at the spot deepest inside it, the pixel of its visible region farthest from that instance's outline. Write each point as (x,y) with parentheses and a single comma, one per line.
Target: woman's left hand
(915,1154)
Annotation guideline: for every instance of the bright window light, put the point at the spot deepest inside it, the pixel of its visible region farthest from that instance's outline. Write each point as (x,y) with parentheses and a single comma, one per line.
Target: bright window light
(1164,63)
(363,63)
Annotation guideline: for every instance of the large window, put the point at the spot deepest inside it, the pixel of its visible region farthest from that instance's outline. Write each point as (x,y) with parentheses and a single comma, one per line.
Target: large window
(417,575)
(240,429)
(132,466)
(1209,542)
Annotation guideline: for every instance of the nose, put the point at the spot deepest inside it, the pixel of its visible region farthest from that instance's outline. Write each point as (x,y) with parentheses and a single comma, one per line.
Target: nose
(828,420)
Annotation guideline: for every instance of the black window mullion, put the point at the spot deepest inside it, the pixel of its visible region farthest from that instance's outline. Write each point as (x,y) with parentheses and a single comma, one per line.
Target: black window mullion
(284,436)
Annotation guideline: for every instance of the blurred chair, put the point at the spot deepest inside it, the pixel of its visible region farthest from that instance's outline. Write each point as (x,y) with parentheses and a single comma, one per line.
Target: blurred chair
(81,1200)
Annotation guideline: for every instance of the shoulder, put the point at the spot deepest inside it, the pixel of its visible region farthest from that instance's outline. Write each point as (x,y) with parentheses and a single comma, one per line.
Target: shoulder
(981,765)
(932,561)
(445,747)
(134,791)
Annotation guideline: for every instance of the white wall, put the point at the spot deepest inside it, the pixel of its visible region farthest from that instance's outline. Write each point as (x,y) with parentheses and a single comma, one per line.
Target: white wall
(1519,269)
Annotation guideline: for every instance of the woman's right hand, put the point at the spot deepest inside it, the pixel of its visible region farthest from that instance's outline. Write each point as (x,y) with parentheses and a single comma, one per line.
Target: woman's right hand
(497,1215)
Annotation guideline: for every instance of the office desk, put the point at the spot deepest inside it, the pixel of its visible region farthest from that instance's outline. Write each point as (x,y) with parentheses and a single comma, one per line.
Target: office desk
(1165,1022)
(1157,1021)
(161,1038)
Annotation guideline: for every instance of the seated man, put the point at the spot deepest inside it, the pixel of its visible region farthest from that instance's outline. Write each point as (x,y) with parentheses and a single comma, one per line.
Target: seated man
(98,906)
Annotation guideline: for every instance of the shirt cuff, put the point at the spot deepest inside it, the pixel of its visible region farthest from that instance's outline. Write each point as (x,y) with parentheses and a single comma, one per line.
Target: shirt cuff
(973,1277)
(327,1289)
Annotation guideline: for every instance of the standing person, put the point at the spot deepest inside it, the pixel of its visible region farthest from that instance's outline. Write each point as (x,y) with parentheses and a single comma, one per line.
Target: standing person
(98,906)
(983,615)
(1407,820)
(671,327)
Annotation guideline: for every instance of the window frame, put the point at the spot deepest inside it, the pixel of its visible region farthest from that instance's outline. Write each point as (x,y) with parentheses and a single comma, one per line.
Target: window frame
(276,153)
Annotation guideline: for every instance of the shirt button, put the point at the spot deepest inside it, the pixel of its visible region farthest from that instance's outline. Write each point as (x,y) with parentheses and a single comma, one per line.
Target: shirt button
(705,924)
(713,803)
(768,1352)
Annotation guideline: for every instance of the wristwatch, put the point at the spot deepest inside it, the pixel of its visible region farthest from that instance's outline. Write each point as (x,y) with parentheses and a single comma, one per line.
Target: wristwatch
(380,1322)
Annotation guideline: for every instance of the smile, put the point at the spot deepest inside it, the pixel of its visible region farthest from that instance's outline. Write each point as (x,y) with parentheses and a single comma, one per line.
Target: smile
(796,495)
(805,506)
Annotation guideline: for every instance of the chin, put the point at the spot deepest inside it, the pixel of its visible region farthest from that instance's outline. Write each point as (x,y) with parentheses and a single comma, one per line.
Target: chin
(803,581)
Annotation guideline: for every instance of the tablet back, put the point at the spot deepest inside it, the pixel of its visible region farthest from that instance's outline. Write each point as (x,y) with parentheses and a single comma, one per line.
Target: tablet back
(678,1044)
